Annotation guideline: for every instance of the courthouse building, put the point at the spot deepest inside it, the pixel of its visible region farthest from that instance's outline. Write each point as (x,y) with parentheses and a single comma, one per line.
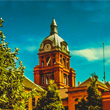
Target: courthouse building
(54,63)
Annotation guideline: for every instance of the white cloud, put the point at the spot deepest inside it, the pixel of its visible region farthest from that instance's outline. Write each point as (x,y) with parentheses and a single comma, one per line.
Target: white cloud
(31,48)
(92,54)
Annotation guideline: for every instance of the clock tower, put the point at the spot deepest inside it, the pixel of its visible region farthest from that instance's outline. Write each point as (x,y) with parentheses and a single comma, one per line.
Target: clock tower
(54,61)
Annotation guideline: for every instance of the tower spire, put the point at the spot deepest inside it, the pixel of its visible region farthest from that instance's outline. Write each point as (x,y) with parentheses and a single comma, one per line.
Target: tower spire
(53,27)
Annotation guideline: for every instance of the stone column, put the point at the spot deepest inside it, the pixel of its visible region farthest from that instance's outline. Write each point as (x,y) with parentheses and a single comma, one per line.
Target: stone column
(67,79)
(30,104)
(40,62)
(65,62)
(44,61)
(51,61)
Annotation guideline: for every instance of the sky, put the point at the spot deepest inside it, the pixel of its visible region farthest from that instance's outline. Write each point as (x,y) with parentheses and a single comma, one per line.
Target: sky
(83,24)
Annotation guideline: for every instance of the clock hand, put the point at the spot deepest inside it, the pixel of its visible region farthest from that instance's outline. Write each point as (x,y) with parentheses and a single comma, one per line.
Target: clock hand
(48,61)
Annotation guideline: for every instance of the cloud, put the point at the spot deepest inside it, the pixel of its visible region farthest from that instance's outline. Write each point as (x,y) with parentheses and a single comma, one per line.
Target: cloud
(92,54)
(31,48)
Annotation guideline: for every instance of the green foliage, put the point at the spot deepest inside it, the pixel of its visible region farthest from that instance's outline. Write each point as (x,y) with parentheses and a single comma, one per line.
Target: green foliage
(94,97)
(50,100)
(12,91)
(1,21)
(82,104)
(94,100)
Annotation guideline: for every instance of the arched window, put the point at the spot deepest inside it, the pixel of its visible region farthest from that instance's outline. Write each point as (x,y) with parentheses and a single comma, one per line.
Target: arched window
(65,79)
(63,62)
(42,79)
(48,61)
(60,58)
(42,57)
(42,63)
(49,76)
(47,79)
(67,63)
(54,61)
(76,99)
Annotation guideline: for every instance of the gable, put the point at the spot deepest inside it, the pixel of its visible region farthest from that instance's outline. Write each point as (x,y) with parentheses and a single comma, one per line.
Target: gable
(98,83)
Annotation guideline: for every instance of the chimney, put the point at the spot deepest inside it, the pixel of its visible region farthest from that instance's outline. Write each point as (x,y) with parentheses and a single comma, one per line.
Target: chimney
(79,83)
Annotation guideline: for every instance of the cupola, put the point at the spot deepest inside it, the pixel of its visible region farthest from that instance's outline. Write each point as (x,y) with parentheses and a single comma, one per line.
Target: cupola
(54,42)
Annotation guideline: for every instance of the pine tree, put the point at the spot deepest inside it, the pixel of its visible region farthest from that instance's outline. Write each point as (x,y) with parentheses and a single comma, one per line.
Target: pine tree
(12,91)
(82,104)
(93,100)
(50,100)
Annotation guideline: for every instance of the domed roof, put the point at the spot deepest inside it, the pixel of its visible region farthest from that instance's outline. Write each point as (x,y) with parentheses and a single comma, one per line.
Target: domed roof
(55,39)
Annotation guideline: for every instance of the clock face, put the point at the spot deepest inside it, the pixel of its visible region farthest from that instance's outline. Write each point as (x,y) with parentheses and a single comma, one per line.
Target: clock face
(47,47)
(64,47)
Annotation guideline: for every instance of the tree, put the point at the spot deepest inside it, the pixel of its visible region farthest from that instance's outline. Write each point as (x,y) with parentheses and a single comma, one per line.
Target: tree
(82,104)
(12,91)
(93,100)
(50,100)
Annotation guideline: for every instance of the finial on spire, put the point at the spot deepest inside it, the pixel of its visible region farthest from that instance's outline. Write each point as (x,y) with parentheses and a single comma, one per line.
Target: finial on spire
(53,27)
(53,22)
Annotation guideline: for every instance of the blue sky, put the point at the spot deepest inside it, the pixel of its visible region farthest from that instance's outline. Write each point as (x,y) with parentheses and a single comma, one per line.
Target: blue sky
(83,24)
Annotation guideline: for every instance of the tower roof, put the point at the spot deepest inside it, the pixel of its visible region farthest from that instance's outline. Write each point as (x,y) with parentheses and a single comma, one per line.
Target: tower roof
(53,22)
(53,27)
(56,41)
(54,38)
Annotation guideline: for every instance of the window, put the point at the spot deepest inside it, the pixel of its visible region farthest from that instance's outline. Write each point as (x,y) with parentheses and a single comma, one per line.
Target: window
(42,63)
(47,80)
(53,76)
(54,61)
(65,79)
(42,57)
(42,79)
(60,58)
(66,107)
(53,55)
(76,99)
(63,62)
(48,61)
(67,63)
(49,76)
(76,106)
(60,61)
(33,101)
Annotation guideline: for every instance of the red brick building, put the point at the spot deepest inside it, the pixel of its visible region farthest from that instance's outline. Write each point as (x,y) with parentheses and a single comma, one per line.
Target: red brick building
(78,92)
(54,63)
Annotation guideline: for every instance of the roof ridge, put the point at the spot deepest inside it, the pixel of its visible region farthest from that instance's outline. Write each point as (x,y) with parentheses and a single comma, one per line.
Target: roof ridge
(33,83)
